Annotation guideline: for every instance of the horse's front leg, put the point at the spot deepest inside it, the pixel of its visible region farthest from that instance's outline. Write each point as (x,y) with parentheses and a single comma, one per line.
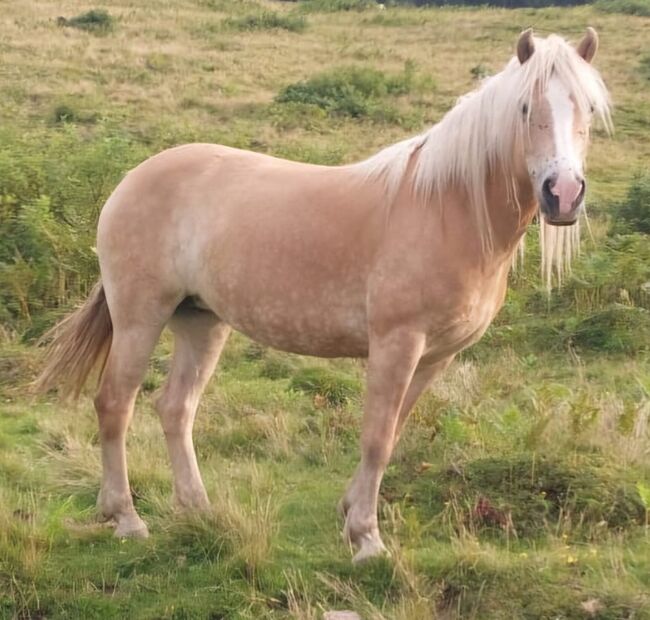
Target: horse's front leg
(392,361)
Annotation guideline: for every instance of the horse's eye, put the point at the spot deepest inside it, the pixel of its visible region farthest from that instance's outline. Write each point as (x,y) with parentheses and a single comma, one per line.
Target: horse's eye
(524,109)
(591,109)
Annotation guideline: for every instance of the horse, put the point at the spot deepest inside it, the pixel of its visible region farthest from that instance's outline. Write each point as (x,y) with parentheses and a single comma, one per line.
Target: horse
(401,259)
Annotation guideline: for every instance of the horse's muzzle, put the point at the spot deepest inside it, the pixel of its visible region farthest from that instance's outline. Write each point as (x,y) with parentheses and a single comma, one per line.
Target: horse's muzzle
(561,199)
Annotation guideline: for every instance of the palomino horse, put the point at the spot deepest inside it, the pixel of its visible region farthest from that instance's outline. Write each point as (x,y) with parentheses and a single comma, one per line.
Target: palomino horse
(401,259)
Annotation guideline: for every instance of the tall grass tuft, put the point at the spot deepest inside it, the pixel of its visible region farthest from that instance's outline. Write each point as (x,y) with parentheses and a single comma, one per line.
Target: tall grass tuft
(22,542)
(267,20)
(239,526)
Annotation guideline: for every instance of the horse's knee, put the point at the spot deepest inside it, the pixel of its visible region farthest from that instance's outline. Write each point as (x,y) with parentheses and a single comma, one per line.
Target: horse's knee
(175,414)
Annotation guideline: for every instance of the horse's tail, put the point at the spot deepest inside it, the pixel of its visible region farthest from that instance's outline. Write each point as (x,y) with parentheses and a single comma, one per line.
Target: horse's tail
(76,345)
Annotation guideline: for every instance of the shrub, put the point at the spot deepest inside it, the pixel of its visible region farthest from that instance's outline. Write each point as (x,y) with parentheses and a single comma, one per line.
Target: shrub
(335,387)
(618,270)
(332,6)
(629,7)
(350,91)
(267,20)
(633,215)
(95,20)
(479,72)
(18,365)
(227,6)
(276,366)
(64,113)
(52,186)
(530,492)
(617,329)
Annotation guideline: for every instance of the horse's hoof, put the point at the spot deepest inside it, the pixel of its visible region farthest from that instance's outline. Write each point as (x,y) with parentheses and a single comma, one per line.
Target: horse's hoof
(131,527)
(370,547)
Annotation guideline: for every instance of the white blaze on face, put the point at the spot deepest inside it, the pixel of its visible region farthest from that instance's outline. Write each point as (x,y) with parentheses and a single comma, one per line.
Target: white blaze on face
(566,166)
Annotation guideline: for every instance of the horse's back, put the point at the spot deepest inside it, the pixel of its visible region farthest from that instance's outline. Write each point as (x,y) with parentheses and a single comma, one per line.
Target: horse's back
(260,240)
(183,175)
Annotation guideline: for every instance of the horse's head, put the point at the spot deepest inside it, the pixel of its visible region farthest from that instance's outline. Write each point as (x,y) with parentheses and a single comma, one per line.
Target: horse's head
(557,116)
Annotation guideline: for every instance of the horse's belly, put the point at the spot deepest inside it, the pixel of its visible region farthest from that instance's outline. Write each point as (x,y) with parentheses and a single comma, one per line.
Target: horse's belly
(310,341)
(296,320)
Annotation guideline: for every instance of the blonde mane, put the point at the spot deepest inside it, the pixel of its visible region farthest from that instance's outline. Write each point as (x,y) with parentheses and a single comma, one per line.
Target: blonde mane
(483,133)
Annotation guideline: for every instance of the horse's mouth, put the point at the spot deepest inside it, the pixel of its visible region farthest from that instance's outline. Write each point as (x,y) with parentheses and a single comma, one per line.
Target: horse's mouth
(560,222)
(554,219)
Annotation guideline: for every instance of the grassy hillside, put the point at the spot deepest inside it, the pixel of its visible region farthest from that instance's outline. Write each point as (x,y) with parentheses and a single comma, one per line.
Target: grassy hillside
(521,488)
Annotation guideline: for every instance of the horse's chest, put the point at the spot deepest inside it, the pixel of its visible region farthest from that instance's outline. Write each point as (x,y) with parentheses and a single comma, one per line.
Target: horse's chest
(456,325)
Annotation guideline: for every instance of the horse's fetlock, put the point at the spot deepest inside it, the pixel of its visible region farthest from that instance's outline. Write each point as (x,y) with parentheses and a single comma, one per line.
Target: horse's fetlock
(358,527)
(112,505)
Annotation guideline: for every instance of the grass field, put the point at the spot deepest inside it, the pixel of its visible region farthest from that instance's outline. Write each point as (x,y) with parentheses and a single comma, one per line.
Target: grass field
(521,488)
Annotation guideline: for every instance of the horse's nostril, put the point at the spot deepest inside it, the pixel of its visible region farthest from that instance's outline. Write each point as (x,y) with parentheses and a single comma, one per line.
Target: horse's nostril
(550,198)
(581,193)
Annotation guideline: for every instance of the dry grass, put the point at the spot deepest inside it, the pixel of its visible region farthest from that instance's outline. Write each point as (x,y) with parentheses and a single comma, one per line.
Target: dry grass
(183,68)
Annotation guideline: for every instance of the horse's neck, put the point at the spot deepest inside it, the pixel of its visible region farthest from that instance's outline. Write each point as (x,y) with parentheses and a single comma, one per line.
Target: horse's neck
(446,231)
(510,210)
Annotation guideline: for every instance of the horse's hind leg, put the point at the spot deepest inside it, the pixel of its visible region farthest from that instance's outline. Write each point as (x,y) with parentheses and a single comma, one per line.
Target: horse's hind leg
(132,344)
(199,338)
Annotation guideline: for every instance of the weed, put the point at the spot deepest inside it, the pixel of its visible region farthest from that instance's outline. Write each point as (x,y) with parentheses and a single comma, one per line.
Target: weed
(95,20)
(335,388)
(267,20)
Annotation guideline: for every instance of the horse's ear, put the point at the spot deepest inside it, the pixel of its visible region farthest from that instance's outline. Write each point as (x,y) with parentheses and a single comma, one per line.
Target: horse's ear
(525,45)
(589,44)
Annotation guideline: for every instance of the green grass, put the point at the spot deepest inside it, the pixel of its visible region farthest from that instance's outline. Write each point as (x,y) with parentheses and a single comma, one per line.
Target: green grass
(519,489)
(522,484)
